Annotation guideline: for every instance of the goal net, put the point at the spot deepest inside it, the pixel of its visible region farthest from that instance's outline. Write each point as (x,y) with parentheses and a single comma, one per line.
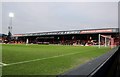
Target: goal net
(105,40)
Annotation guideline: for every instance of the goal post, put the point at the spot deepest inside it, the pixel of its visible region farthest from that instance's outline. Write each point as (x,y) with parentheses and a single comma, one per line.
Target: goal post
(27,41)
(99,40)
(108,40)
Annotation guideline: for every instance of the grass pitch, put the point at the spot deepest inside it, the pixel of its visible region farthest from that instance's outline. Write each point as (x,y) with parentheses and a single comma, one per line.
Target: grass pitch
(46,59)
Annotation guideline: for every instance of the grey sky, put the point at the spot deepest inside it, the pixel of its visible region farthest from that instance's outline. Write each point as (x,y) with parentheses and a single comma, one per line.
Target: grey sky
(54,16)
(60,0)
(0,17)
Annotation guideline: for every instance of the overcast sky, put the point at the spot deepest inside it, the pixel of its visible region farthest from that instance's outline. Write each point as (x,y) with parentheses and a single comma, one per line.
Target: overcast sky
(54,16)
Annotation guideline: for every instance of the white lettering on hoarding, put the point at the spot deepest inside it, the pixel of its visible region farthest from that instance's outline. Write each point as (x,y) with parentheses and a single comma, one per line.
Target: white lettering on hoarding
(96,31)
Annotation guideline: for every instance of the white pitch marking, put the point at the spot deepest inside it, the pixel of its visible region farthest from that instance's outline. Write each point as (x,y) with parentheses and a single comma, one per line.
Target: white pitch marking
(39,59)
(2,64)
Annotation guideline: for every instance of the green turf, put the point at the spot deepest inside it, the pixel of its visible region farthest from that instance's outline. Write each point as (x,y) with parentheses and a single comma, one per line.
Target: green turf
(51,66)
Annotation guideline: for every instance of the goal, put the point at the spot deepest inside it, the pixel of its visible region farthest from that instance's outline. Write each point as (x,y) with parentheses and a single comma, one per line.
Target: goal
(106,40)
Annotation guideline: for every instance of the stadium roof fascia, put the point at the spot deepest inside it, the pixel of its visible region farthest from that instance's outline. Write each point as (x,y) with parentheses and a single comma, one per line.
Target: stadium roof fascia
(85,31)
